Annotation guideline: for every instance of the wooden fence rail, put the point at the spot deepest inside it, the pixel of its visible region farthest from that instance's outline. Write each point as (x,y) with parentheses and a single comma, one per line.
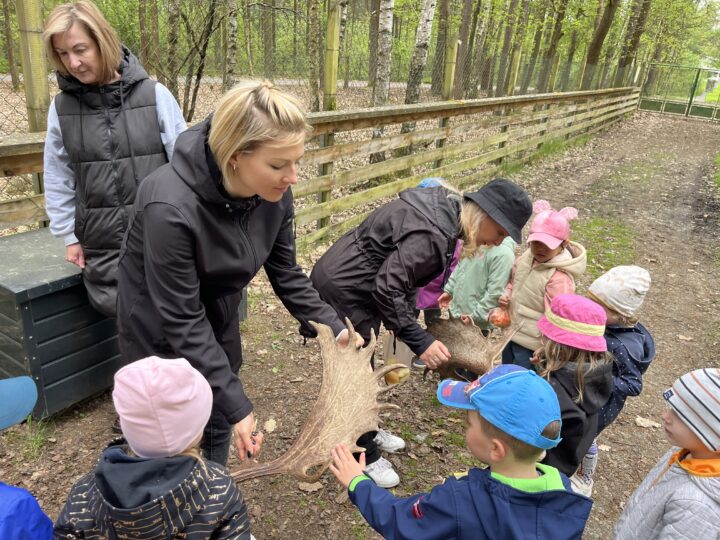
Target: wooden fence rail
(481,137)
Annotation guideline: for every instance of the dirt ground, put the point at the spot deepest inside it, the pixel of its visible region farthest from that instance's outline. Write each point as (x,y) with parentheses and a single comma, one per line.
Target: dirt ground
(645,194)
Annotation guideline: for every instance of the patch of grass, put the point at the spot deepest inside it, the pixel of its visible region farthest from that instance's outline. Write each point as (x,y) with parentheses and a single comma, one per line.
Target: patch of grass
(548,149)
(716,178)
(359,530)
(456,439)
(405,431)
(433,401)
(609,243)
(31,438)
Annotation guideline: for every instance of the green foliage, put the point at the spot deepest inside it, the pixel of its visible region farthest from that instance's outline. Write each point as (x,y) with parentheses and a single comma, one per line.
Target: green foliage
(31,438)
(716,177)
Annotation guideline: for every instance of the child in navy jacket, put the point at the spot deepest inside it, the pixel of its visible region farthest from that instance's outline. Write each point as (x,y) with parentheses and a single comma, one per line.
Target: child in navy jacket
(621,291)
(513,415)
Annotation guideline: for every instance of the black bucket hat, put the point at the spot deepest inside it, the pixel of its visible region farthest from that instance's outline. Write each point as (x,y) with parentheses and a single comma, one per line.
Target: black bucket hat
(506,202)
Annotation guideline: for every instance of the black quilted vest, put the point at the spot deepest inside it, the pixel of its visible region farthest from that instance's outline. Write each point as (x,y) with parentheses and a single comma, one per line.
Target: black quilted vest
(112,136)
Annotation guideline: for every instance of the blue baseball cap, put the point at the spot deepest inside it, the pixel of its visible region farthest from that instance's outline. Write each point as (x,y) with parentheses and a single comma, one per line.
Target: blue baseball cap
(17,399)
(431,182)
(515,400)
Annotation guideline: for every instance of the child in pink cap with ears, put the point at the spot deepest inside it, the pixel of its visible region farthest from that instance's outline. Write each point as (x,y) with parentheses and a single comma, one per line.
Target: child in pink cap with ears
(157,485)
(573,358)
(549,267)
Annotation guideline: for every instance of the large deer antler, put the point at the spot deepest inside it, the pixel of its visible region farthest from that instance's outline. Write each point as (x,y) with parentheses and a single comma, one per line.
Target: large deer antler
(346,407)
(470,350)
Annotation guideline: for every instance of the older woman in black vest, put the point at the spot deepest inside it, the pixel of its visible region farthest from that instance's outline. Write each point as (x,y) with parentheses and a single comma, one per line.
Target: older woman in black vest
(108,128)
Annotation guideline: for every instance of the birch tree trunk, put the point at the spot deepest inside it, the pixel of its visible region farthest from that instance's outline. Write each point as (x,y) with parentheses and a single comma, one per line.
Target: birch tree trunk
(595,47)
(374,21)
(384,63)
(9,46)
(247,30)
(231,54)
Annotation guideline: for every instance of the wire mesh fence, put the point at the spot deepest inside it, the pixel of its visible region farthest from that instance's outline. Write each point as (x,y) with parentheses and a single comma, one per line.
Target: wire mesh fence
(684,90)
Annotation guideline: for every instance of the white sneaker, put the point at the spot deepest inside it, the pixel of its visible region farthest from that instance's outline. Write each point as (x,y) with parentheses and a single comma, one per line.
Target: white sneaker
(582,484)
(387,442)
(382,473)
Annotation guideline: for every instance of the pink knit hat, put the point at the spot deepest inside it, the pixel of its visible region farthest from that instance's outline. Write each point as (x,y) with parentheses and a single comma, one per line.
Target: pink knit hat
(575,321)
(163,405)
(550,226)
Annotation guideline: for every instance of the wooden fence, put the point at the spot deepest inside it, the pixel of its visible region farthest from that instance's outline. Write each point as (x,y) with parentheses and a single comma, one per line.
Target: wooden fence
(465,142)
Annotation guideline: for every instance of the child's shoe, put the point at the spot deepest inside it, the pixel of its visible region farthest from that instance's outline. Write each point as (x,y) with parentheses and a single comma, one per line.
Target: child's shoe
(581,484)
(417,363)
(387,442)
(382,473)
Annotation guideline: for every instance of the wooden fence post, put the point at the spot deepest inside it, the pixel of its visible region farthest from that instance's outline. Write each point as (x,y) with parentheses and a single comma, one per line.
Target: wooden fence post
(450,62)
(35,72)
(330,74)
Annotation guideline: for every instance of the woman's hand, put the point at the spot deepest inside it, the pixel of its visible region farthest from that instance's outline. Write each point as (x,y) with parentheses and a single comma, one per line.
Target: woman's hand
(344,466)
(435,355)
(247,441)
(444,300)
(343,339)
(74,254)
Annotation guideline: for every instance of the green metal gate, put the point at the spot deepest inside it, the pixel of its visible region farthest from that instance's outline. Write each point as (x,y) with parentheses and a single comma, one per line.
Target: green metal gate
(682,90)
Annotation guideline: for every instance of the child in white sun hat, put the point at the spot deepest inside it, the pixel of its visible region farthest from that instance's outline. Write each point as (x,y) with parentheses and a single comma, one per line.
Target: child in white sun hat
(680,497)
(621,292)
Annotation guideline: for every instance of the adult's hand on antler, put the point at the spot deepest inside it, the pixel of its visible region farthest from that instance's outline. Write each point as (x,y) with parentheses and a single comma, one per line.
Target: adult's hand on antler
(435,355)
(344,466)
(444,300)
(247,441)
(343,339)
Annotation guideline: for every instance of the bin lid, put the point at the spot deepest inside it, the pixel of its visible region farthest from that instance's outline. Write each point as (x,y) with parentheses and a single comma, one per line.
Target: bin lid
(32,264)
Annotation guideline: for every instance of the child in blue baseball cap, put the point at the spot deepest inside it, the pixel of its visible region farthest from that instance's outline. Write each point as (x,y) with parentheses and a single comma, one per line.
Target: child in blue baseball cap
(513,416)
(20,515)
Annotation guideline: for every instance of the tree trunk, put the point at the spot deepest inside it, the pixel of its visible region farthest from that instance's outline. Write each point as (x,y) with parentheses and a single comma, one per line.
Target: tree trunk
(294,38)
(478,50)
(268,14)
(202,53)
(313,68)
(231,54)
(374,21)
(144,37)
(510,79)
(549,57)
(511,15)
(470,57)
(384,63)
(420,53)
(537,41)
(247,27)
(438,69)
(348,49)
(172,48)
(595,47)
(155,43)
(9,46)
(464,48)
(567,67)
(642,9)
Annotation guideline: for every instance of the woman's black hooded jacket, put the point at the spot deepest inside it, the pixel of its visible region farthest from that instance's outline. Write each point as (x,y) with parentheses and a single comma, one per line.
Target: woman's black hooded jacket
(189,251)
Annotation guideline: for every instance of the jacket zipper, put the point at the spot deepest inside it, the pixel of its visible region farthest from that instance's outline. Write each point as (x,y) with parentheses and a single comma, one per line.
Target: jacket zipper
(244,218)
(113,163)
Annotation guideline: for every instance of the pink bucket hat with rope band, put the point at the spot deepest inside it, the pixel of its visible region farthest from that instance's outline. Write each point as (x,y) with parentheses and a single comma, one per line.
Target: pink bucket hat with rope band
(163,405)
(551,227)
(575,321)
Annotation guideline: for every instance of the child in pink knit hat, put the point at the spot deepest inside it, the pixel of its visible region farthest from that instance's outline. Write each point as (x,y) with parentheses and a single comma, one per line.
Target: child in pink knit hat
(159,477)
(574,360)
(549,267)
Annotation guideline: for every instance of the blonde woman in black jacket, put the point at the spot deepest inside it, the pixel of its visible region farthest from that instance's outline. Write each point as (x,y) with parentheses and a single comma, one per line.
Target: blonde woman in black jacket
(202,227)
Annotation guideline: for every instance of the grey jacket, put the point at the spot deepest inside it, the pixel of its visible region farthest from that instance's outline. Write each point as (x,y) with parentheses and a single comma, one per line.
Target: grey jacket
(672,503)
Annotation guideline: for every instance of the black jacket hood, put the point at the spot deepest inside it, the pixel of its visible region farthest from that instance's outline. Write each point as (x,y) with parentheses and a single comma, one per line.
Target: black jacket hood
(132,486)
(443,216)
(597,387)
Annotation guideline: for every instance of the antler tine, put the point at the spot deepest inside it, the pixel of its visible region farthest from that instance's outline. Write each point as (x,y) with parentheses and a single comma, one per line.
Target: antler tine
(510,332)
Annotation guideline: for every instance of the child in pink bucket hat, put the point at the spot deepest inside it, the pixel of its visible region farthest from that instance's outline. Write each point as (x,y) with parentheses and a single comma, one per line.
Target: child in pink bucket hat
(549,267)
(159,477)
(573,358)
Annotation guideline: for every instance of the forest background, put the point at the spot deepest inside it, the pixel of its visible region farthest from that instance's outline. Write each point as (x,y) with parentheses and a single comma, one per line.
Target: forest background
(393,51)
